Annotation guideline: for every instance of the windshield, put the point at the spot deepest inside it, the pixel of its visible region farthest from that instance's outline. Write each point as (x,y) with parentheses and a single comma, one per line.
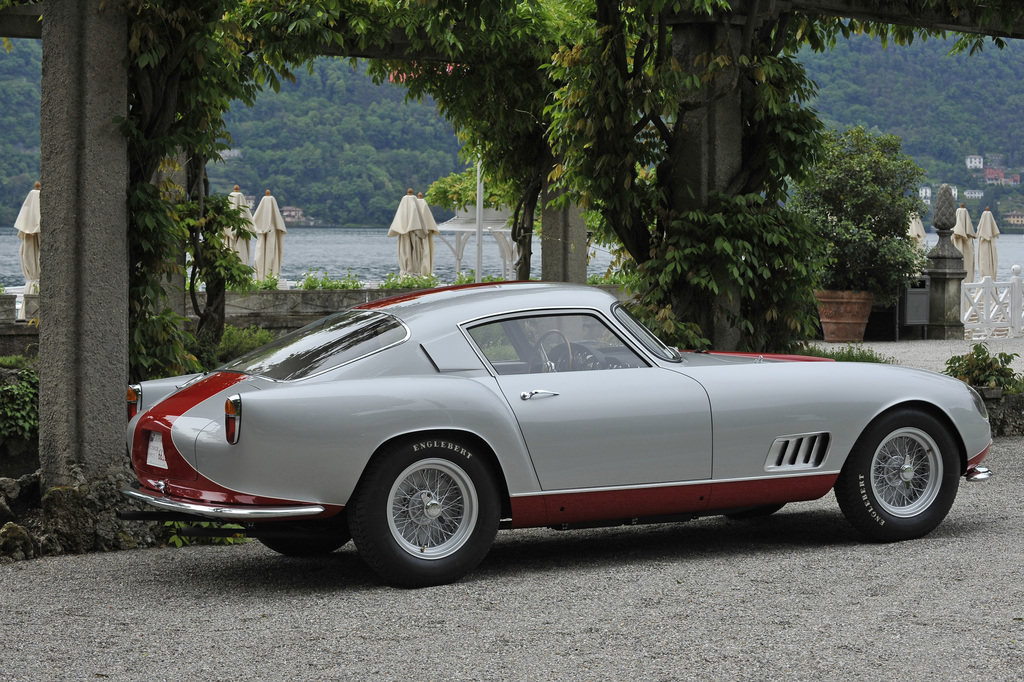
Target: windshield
(323,345)
(644,335)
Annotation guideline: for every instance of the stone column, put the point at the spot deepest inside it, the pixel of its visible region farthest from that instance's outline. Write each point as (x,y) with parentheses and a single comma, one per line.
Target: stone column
(946,273)
(83,347)
(708,150)
(563,242)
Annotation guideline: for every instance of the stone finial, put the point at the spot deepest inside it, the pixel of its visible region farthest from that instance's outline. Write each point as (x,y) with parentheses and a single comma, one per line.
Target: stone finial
(419,195)
(268,192)
(237,188)
(409,191)
(38,185)
(945,210)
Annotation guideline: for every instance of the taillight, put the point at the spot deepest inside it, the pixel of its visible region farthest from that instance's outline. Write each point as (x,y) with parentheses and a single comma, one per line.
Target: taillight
(134,398)
(232,418)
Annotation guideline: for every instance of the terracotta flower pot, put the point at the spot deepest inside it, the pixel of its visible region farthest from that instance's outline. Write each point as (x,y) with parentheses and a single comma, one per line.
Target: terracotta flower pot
(844,314)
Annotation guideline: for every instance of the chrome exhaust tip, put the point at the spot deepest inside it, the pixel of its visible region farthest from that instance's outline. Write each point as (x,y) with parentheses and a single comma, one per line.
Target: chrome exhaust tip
(978,474)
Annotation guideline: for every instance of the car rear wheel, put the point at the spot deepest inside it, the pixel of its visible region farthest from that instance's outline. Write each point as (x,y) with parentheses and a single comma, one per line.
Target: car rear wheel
(425,513)
(901,478)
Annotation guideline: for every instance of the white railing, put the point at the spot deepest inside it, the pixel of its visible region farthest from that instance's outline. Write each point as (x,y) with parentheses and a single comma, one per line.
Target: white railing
(993,310)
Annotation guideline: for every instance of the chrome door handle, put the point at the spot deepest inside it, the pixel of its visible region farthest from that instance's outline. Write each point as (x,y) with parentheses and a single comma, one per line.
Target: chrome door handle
(526,395)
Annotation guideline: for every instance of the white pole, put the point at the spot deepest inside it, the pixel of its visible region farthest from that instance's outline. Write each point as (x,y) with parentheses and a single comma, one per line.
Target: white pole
(479,220)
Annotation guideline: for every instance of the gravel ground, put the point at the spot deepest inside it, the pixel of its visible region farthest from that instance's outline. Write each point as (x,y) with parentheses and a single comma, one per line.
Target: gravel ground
(797,596)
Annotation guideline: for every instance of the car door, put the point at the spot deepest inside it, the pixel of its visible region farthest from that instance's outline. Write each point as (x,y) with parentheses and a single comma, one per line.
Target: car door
(592,411)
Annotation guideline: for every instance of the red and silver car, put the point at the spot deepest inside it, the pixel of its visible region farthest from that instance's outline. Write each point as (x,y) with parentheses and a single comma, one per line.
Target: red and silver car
(419,426)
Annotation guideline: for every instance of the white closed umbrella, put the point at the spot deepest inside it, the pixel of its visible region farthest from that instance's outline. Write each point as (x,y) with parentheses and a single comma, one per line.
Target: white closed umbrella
(963,240)
(988,257)
(240,245)
(268,224)
(27,225)
(429,226)
(916,230)
(414,240)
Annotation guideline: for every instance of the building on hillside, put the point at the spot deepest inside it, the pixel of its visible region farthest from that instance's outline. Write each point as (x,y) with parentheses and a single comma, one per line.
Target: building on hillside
(974,194)
(994,176)
(1015,218)
(292,214)
(975,162)
(926,194)
(231,154)
(995,160)
(1013,180)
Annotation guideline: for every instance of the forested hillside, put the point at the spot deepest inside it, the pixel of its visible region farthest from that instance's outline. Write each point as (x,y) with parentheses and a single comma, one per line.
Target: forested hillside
(338,146)
(944,107)
(334,144)
(344,149)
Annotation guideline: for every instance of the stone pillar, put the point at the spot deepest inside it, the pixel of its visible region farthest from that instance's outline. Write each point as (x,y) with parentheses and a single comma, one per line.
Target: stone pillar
(946,273)
(708,151)
(83,346)
(563,242)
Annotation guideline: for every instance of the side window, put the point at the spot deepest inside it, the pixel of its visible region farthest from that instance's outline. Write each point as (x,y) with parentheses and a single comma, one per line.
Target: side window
(552,343)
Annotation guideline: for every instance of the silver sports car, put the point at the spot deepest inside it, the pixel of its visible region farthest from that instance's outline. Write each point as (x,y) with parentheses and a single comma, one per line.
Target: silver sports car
(419,425)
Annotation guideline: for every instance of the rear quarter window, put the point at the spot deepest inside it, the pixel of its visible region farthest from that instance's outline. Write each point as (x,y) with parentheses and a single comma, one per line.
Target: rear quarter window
(328,343)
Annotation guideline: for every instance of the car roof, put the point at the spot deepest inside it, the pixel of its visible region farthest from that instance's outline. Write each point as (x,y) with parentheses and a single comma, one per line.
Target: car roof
(442,308)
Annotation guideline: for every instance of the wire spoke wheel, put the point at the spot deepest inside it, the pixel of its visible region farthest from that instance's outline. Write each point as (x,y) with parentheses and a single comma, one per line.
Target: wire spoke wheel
(433,508)
(906,472)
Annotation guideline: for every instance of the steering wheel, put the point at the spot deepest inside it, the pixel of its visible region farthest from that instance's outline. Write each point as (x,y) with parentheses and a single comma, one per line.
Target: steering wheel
(546,365)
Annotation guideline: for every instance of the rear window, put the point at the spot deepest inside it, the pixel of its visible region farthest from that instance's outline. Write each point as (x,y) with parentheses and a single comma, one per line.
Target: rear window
(323,345)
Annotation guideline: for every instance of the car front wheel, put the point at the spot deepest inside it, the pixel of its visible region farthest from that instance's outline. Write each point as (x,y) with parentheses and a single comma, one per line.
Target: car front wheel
(425,513)
(901,478)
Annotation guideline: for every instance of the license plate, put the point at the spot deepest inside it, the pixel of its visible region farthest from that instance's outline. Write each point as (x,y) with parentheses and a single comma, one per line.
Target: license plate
(155,452)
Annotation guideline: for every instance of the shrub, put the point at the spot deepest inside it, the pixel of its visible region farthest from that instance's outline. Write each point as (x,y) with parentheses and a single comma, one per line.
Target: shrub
(850,353)
(238,341)
(270,283)
(980,368)
(393,281)
(311,281)
(470,278)
(19,407)
(15,362)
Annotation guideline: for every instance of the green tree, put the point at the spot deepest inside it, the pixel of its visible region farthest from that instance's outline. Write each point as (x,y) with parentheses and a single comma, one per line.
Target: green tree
(860,196)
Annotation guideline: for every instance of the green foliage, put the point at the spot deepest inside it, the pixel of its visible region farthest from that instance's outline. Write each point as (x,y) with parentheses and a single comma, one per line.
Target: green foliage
(268,283)
(15,362)
(175,538)
(19,407)
(849,353)
(393,281)
(470,278)
(860,196)
(237,341)
(980,368)
(457,191)
(311,281)
(745,261)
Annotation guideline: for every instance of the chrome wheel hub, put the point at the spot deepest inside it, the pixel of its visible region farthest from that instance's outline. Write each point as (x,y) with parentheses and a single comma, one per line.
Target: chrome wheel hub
(906,472)
(433,509)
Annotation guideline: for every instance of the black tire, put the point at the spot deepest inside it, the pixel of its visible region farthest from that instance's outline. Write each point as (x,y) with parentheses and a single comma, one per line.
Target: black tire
(756,512)
(901,478)
(425,513)
(306,539)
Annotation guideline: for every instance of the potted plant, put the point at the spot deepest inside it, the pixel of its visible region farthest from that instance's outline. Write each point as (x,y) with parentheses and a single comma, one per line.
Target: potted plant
(860,195)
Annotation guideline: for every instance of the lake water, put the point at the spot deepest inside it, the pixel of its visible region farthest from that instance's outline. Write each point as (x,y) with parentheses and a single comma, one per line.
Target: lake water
(371,255)
(367,252)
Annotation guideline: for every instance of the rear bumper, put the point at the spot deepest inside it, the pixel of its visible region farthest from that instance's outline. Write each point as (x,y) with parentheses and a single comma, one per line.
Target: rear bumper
(224,512)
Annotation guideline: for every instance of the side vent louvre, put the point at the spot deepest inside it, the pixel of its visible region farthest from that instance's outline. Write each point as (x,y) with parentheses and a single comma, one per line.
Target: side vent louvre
(806,451)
